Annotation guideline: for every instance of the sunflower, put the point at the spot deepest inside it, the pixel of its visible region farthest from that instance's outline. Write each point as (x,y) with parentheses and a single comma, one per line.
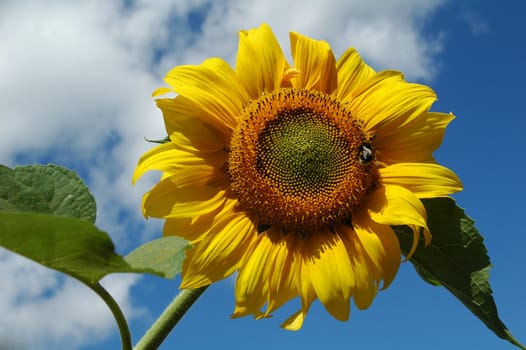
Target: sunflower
(292,175)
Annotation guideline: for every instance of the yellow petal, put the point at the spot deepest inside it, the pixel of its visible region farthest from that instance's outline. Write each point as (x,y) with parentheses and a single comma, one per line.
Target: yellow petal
(201,176)
(218,253)
(260,62)
(395,205)
(181,227)
(166,200)
(163,158)
(252,284)
(168,158)
(425,180)
(365,275)
(193,228)
(307,294)
(414,142)
(162,91)
(213,87)
(388,102)
(352,73)
(380,244)
(374,81)
(327,262)
(267,275)
(192,125)
(315,62)
(284,271)
(294,322)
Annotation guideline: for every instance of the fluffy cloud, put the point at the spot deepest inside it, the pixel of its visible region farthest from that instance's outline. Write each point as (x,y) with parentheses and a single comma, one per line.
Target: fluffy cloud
(45,310)
(389,34)
(76,84)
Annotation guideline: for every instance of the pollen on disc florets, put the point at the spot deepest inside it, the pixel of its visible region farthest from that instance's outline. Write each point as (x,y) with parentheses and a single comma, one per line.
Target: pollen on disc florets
(296,161)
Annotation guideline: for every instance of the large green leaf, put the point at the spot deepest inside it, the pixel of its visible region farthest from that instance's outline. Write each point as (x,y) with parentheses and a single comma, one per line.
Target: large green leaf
(47,214)
(456,259)
(45,189)
(70,245)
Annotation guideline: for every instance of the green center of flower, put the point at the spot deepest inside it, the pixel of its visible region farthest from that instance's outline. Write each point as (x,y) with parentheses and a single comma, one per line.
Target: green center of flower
(302,152)
(299,160)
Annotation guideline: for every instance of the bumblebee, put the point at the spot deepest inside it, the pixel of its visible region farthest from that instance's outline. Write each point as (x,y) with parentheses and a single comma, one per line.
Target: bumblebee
(365,153)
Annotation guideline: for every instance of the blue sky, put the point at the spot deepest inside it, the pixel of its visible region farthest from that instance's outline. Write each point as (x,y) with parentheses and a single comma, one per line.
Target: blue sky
(76,85)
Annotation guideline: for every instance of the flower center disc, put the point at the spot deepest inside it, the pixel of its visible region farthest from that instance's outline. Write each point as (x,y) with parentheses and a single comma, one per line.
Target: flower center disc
(295,161)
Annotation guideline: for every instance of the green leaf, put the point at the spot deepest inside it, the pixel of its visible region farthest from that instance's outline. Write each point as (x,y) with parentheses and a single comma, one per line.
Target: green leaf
(70,245)
(73,246)
(165,255)
(161,141)
(47,214)
(457,259)
(45,189)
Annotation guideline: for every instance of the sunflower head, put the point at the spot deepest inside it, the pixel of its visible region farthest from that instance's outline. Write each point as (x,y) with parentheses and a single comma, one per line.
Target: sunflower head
(297,161)
(292,174)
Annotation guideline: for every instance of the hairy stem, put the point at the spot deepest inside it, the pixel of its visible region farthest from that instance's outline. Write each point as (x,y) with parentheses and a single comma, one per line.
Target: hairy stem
(169,318)
(117,313)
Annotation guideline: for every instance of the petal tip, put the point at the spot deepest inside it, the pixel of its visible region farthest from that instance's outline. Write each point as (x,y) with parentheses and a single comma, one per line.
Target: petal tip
(294,322)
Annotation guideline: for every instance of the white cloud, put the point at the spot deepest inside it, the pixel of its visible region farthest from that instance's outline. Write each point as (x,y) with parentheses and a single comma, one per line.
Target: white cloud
(389,34)
(76,84)
(41,309)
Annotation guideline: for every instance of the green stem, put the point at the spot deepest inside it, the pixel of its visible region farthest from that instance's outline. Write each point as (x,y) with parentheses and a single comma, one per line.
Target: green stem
(158,332)
(117,313)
